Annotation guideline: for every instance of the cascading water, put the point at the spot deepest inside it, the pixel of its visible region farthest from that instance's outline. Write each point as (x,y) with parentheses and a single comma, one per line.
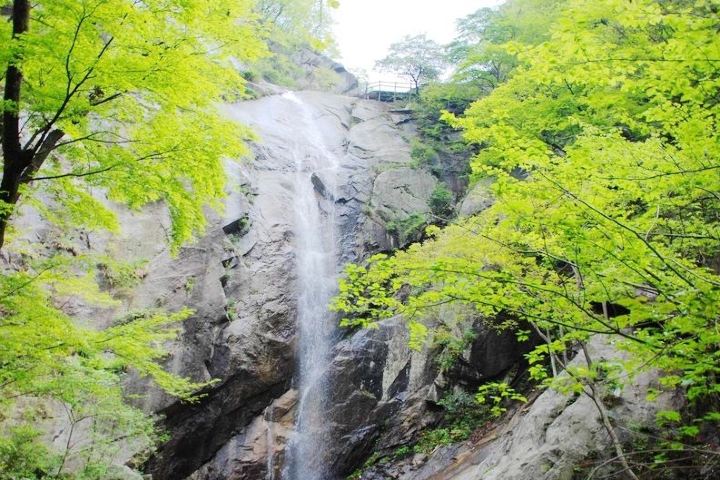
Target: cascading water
(270,438)
(316,259)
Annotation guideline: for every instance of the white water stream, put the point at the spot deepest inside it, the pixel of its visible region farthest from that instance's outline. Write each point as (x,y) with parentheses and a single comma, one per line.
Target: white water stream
(316,261)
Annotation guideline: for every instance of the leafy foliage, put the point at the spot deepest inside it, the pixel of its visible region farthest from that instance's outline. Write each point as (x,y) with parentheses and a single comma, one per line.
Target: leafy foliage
(122,275)
(461,417)
(407,229)
(109,101)
(298,21)
(416,57)
(293,26)
(122,96)
(454,97)
(23,456)
(604,146)
(45,354)
(441,202)
(498,393)
(423,155)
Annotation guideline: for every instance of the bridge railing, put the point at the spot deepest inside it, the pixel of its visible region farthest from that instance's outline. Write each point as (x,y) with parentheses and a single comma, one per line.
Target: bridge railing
(388,91)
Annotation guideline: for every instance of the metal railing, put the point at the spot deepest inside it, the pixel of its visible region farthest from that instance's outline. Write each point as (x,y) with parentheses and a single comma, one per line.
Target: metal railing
(388,91)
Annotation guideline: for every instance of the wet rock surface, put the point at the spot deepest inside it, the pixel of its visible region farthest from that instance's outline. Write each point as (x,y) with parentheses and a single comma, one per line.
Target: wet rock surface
(258,449)
(373,374)
(384,394)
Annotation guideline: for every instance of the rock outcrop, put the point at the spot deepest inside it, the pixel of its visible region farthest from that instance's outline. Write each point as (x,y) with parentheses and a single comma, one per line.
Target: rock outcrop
(383,393)
(546,440)
(477,199)
(259,448)
(240,278)
(323,73)
(243,287)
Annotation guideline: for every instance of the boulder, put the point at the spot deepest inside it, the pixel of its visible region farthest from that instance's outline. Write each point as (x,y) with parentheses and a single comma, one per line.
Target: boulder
(558,432)
(402,192)
(323,73)
(491,355)
(398,208)
(477,199)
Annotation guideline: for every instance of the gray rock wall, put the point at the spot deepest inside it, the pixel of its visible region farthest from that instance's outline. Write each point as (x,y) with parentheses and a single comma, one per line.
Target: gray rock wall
(240,278)
(243,276)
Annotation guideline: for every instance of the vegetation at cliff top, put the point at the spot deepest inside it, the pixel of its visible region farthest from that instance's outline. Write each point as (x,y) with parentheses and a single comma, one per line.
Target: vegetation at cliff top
(598,122)
(109,102)
(416,57)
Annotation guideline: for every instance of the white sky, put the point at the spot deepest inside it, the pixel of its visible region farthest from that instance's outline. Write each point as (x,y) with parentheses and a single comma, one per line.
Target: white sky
(364,29)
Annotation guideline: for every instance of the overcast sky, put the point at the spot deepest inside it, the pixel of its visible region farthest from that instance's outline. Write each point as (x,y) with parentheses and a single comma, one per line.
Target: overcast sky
(364,29)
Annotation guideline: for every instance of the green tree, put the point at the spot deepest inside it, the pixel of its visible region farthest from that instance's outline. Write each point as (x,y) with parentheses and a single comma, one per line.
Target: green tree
(481,59)
(604,148)
(441,203)
(293,26)
(416,57)
(479,52)
(111,98)
(122,96)
(295,21)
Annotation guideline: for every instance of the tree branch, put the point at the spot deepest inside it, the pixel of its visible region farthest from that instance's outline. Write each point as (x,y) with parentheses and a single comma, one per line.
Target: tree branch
(637,234)
(100,170)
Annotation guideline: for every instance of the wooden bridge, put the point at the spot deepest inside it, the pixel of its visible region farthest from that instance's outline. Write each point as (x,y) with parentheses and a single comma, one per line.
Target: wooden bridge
(388,91)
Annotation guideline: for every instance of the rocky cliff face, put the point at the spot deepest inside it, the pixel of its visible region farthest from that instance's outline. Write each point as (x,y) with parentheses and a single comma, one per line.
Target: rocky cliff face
(240,279)
(545,440)
(381,392)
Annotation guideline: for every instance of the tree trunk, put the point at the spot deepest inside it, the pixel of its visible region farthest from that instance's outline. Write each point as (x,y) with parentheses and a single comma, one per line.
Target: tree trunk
(597,400)
(10,190)
(15,159)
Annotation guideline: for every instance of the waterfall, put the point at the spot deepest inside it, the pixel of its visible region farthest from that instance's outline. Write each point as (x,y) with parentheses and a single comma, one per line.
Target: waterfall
(270,439)
(316,261)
